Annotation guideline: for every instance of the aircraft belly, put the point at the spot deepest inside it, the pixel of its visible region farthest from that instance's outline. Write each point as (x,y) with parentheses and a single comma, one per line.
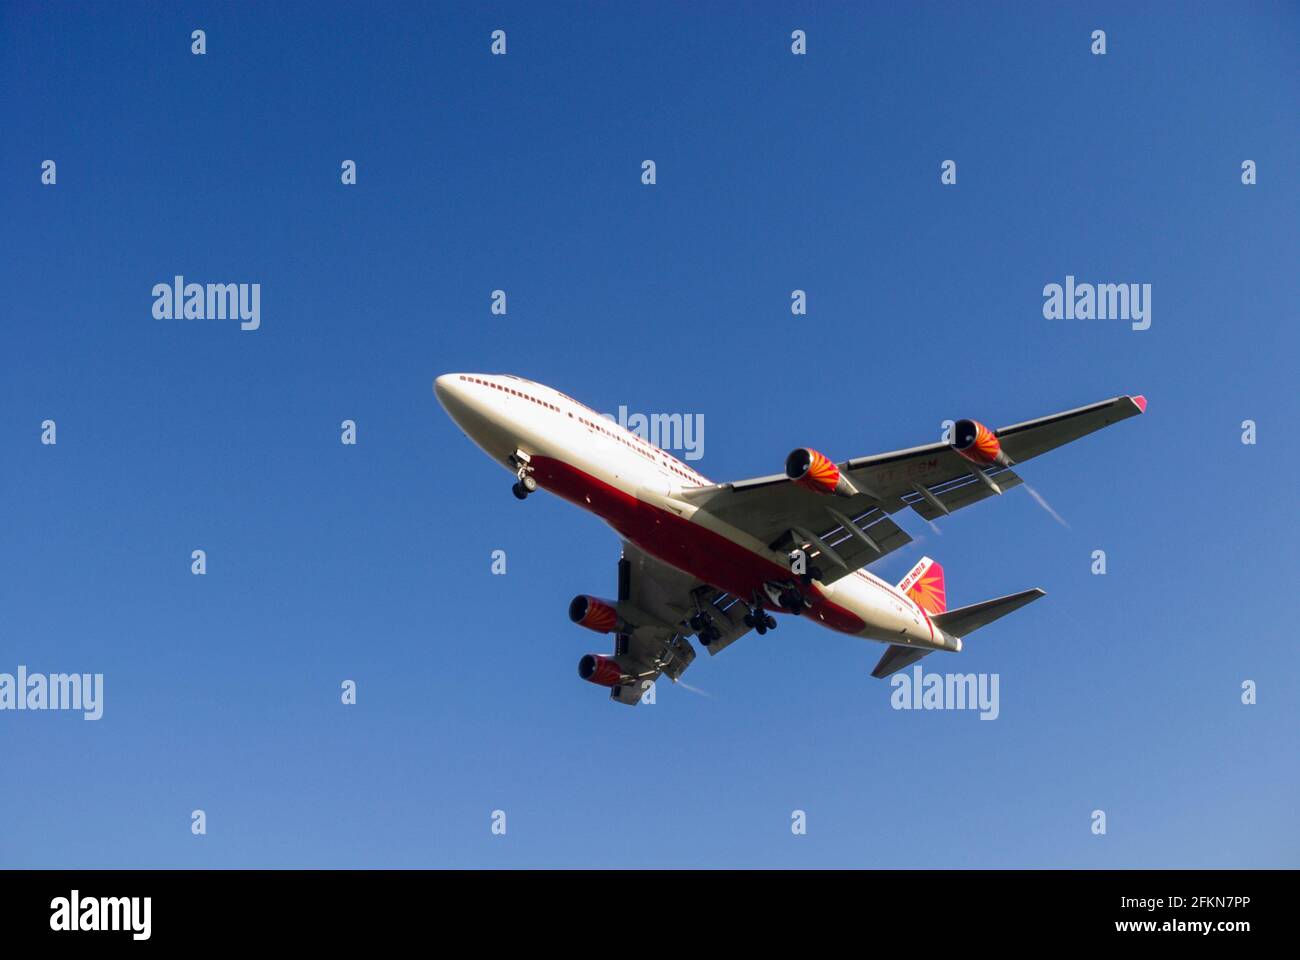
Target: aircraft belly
(704,553)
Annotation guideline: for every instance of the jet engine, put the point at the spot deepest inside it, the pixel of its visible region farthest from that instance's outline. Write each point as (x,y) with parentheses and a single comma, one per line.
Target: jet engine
(601,670)
(596,614)
(816,472)
(978,444)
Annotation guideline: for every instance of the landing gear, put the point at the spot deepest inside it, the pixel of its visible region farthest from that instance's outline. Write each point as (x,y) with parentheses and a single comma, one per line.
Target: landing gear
(792,600)
(704,629)
(758,618)
(814,573)
(785,595)
(527,483)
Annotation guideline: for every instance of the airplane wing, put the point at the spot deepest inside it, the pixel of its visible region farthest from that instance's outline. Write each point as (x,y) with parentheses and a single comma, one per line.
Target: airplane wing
(841,516)
(657,601)
(673,597)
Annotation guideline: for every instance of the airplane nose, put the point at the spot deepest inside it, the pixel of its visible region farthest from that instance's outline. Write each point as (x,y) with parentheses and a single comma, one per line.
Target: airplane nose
(463,400)
(449,391)
(467,400)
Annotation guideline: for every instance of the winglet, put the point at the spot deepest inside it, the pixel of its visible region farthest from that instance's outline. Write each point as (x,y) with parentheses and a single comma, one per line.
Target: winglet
(1140,402)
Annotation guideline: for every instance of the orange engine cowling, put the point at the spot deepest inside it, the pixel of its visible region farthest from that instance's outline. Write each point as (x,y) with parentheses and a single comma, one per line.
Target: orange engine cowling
(596,614)
(978,444)
(816,472)
(602,670)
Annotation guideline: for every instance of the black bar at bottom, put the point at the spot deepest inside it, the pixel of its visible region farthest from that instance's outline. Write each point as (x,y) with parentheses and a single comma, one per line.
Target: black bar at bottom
(334,908)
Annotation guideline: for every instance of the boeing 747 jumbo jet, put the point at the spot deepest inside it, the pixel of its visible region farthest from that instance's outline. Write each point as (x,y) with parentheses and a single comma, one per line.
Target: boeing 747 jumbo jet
(711,560)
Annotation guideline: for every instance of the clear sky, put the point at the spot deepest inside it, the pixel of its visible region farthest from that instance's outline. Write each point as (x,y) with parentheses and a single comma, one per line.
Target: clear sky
(775,172)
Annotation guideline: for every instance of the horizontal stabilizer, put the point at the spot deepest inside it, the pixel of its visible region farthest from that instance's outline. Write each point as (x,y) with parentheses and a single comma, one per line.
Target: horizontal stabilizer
(896,658)
(964,620)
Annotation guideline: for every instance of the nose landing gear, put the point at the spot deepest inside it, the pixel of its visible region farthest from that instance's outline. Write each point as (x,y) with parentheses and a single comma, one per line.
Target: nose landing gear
(526,483)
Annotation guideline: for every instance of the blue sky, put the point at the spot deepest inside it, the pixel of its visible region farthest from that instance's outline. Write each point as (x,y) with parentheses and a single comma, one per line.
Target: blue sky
(775,172)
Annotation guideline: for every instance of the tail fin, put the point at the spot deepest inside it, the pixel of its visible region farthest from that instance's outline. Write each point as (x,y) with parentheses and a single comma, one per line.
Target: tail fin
(924,584)
(955,623)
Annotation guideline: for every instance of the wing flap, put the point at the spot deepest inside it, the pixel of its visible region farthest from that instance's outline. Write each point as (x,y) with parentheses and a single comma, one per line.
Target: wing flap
(961,491)
(727,613)
(857,540)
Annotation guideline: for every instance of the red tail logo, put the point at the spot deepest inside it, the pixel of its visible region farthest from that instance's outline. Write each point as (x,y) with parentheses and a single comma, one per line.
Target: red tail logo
(924,585)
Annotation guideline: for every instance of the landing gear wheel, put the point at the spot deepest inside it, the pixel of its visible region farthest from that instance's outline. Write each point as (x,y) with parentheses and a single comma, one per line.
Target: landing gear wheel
(756,617)
(704,629)
(792,601)
(527,483)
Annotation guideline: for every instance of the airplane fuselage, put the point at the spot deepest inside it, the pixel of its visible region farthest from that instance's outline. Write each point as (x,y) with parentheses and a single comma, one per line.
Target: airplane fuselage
(591,461)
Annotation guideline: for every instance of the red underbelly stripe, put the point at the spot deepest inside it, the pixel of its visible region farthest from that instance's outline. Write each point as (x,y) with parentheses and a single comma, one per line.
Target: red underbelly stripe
(701,552)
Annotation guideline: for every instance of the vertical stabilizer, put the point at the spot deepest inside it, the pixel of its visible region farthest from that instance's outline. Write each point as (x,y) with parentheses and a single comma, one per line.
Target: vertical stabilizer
(924,585)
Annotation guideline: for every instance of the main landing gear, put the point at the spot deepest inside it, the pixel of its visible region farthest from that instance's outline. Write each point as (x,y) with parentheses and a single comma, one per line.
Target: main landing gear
(526,483)
(758,618)
(786,596)
(704,629)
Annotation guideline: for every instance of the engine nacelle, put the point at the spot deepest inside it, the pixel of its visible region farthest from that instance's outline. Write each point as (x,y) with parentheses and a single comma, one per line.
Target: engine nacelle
(978,444)
(596,614)
(604,671)
(816,472)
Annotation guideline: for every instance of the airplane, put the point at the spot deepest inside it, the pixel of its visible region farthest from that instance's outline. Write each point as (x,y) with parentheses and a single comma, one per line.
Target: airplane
(716,560)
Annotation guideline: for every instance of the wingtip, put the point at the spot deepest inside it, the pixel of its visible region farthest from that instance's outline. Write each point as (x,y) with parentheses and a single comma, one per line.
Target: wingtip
(1140,402)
